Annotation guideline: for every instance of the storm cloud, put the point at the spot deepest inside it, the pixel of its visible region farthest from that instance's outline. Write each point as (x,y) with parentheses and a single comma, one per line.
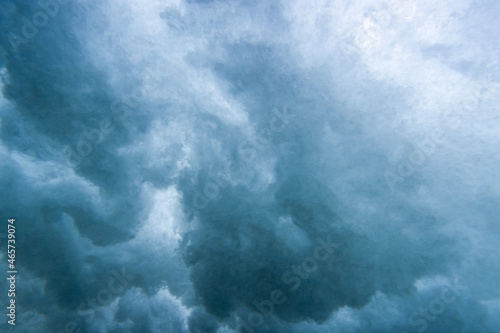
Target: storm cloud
(230,166)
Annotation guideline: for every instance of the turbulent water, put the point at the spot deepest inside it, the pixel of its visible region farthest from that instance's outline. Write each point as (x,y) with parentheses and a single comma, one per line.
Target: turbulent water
(251,166)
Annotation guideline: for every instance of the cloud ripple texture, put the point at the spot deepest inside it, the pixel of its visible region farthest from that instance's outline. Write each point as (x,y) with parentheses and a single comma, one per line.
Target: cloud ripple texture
(251,166)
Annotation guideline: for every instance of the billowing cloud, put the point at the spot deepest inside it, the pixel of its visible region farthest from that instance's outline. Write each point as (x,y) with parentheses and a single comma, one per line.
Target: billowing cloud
(282,166)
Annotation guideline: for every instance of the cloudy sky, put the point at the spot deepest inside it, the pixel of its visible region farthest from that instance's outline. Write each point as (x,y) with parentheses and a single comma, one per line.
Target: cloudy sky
(216,166)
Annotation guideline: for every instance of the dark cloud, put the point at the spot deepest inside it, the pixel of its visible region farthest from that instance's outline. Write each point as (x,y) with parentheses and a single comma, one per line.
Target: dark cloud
(213,166)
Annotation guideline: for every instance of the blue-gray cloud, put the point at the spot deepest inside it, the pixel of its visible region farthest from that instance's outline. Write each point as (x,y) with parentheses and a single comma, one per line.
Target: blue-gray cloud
(214,166)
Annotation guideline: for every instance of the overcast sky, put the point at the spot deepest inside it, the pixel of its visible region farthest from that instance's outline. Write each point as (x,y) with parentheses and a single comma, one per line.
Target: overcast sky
(220,166)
